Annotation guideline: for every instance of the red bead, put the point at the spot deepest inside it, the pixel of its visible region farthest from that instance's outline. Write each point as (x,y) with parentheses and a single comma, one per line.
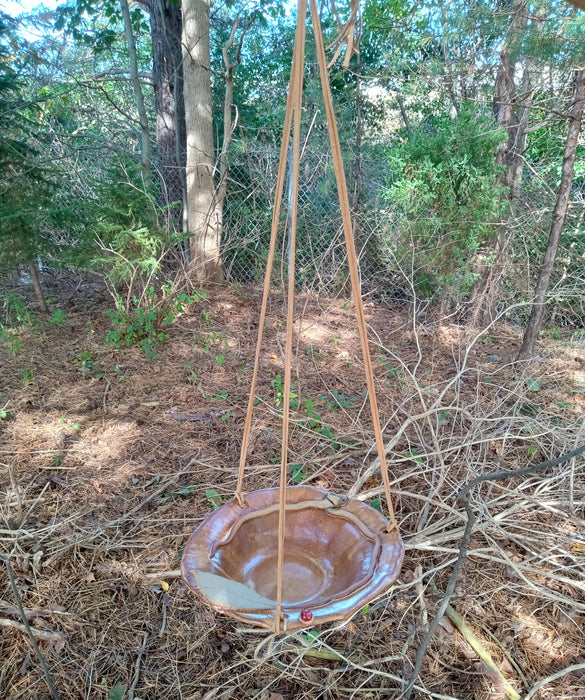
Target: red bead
(306,615)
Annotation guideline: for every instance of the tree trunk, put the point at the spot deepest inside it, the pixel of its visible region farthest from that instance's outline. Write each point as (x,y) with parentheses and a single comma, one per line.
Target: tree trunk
(229,125)
(404,115)
(560,212)
(448,77)
(167,71)
(139,97)
(358,190)
(490,263)
(202,209)
(32,268)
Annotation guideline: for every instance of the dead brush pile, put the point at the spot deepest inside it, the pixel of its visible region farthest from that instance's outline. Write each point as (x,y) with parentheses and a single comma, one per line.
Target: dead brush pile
(109,460)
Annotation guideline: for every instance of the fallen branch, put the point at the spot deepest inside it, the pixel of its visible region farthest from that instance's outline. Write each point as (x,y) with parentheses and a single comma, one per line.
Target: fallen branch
(41,634)
(173,573)
(481,651)
(132,688)
(463,547)
(27,628)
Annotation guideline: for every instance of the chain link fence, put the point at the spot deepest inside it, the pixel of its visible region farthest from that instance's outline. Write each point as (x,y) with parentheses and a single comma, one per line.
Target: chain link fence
(321,256)
(389,261)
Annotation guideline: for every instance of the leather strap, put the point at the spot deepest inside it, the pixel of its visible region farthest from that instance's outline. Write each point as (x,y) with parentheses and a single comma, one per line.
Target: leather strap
(351,255)
(293,118)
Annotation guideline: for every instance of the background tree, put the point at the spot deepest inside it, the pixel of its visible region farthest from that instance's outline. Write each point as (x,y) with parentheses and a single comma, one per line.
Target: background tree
(574,125)
(27,184)
(145,149)
(167,75)
(203,214)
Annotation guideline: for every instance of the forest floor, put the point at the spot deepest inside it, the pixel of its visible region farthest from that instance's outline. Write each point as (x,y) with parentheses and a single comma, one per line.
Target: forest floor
(109,460)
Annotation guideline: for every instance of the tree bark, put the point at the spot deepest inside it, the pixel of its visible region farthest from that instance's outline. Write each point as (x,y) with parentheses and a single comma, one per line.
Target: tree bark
(167,72)
(560,212)
(404,115)
(229,124)
(145,151)
(202,206)
(489,267)
(32,268)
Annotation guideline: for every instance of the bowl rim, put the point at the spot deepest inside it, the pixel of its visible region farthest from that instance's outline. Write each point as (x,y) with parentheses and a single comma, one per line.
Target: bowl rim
(225,521)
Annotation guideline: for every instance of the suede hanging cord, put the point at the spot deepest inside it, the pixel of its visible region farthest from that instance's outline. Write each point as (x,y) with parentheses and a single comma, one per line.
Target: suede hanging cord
(352,258)
(297,90)
(269,263)
(293,118)
(293,108)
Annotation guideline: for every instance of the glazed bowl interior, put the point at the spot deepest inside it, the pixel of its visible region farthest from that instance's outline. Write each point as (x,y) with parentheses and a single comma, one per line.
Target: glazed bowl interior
(325,555)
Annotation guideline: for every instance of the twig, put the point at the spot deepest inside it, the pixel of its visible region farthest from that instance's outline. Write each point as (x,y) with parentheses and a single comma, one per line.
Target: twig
(16,490)
(137,667)
(105,398)
(329,655)
(471,518)
(421,595)
(173,573)
(548,679)
(480,650)
(41,634)
(28,629)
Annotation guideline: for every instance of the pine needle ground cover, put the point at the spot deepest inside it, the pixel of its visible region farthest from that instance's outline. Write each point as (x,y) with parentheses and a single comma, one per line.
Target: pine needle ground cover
(110,458)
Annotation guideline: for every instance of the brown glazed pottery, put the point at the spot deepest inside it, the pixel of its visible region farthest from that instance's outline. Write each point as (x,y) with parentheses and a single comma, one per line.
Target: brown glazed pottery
(337,557)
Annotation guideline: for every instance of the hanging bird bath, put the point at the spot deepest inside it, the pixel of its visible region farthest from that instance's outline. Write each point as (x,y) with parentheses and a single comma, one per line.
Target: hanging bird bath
(294,556)
(338,556)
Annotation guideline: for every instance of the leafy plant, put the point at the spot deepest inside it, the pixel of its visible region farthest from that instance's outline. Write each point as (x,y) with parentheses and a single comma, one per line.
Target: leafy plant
(210,340)
(314,352)
(298,473)
(533,384)
(220,396)
(28,375)
(191,376)
(278,385)
(11,339)
(86,360)
(182,491)
(58,318)
(445,197)
(122,230)
(117,692)
(3,409)
(16,313)
(213,497)
(143,323)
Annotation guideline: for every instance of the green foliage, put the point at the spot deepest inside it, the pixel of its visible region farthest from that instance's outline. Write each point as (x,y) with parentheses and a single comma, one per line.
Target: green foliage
(297,473)
(27,184)
(446,200)
(97,23)
(117,692)
(15,319)
(86,361)
(28,375)
(142,322)
(278,385)
(124,239)
(213,497)
(15,312)
(58,318)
